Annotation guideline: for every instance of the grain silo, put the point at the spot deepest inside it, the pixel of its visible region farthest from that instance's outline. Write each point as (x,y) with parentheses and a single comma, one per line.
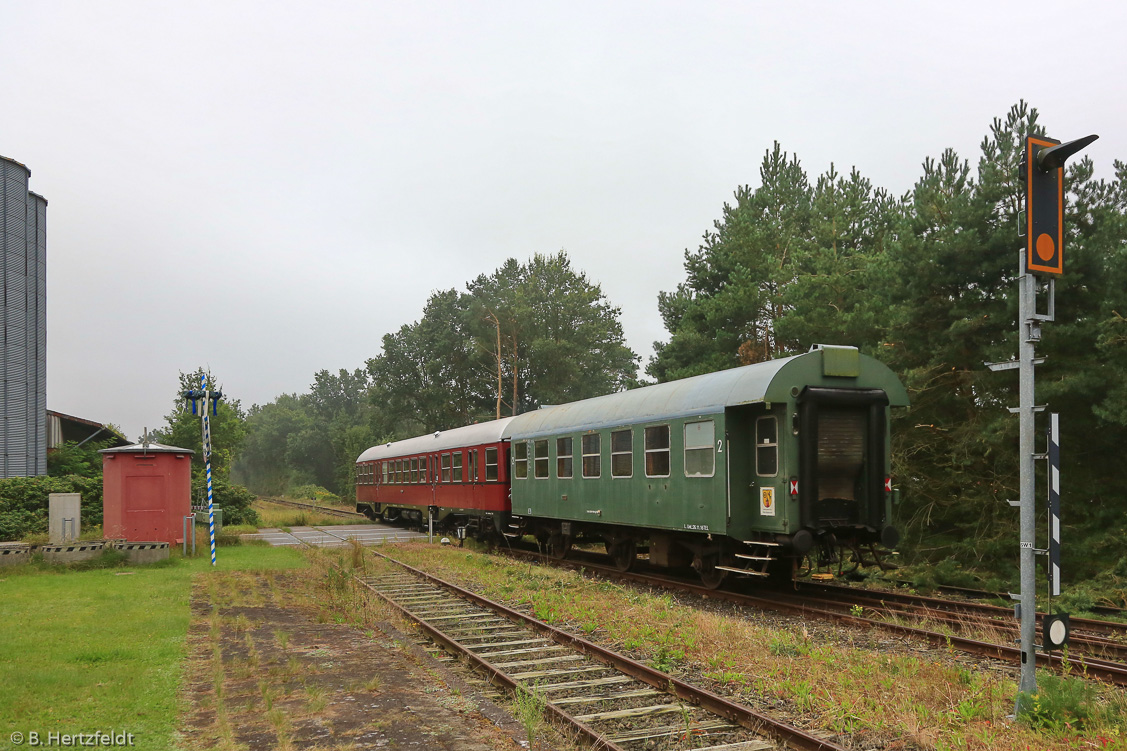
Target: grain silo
(23,354)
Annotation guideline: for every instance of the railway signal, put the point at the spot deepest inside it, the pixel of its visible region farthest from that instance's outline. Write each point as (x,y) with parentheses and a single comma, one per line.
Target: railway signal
(210,401)
(1055,630)
(1042,169)
(1043,172)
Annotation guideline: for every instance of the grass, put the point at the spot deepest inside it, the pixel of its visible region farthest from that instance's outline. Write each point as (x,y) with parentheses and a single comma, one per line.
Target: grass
(876,697)
(87,534)
(102,648)
(283,516)
(529,707)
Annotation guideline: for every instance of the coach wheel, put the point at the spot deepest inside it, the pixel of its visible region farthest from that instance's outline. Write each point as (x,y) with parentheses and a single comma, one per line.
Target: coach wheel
(706,567)
(711,578)
(623,553)
(558,546)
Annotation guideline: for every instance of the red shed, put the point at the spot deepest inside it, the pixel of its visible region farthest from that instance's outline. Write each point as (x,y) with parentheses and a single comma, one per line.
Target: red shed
(146,492)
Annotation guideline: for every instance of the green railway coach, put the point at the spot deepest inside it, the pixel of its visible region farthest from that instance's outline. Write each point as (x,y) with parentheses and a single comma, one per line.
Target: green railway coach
(729,472)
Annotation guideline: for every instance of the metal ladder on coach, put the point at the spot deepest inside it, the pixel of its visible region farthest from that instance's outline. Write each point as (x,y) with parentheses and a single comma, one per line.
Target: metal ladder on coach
(760,553)
(519,533)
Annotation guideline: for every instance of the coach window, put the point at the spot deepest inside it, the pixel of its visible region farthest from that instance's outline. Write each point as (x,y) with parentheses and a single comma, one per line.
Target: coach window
(657,451)
(446,467)
(622,453)
(457,466)
(592,458)
(471,467)
(563,458)
(541,464)
(383,470)
(520,460)
(491,465)
(767,446)
(422,469)
(700,448)
(414,476)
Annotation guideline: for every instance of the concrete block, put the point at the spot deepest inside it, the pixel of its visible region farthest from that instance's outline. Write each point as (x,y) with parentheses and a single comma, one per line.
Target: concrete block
(71,552)
(144,552)
(14,553)
(64,517)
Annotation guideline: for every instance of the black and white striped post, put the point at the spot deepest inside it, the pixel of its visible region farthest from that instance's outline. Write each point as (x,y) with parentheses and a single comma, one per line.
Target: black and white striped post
(1054,504)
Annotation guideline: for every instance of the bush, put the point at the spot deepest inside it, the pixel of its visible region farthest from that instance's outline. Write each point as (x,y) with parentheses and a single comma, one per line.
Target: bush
(72,458)
(1061,703)
(25,503)
(313,493)
(235,500)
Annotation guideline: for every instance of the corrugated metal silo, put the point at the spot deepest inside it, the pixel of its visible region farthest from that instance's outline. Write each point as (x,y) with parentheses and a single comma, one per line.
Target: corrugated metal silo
(23,247)
(37,320)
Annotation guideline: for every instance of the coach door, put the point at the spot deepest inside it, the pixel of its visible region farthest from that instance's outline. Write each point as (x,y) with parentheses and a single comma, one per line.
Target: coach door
(841,457)
(473,478)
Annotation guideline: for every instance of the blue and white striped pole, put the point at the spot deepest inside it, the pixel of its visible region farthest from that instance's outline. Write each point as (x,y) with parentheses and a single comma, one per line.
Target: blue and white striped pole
(207,460)
(1054,504)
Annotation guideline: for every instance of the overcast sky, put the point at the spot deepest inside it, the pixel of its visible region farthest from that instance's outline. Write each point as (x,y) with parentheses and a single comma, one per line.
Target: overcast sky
(266,188)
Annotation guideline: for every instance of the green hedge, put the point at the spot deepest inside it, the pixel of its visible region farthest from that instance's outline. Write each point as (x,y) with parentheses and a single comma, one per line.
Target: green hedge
(24,503)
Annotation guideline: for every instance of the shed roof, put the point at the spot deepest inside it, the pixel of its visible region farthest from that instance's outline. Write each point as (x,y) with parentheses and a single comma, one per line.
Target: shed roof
(470,435)
(147,448)
(711,393)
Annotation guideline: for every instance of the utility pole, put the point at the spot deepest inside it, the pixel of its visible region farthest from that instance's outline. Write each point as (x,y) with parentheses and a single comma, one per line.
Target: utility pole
(1042,170)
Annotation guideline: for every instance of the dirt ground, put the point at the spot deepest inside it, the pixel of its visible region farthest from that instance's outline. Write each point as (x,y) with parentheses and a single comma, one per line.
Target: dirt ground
(264,673)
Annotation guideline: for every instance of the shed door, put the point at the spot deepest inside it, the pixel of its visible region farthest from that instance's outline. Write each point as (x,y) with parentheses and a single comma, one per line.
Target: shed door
(144,507)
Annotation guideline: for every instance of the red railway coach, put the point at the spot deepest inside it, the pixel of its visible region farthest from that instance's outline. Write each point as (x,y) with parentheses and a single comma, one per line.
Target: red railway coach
(460,476)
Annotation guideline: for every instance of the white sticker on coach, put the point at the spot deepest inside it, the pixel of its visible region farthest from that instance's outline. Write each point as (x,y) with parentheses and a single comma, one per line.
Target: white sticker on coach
(766,501)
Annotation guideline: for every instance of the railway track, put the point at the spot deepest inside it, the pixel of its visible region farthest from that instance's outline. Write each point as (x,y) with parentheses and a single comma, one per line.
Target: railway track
(1092,638)
(980,594)
(613,702)
(842,610)
(318,509)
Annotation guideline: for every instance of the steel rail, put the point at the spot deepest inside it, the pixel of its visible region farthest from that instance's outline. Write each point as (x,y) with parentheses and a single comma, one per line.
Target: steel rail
(1089,637)
(714,703)
(982,594)
(1092,624)
(311,507)
(496,676)
(1093,667)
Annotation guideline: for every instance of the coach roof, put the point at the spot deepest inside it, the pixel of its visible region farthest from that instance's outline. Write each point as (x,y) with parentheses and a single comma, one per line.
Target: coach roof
(770,381)
(443,440)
